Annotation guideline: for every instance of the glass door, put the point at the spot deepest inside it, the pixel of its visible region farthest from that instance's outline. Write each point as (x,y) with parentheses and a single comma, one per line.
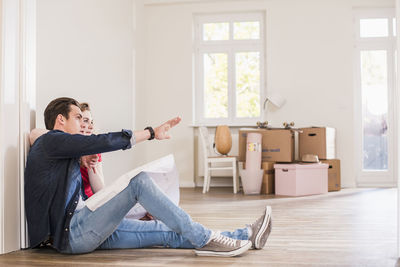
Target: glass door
(374,85)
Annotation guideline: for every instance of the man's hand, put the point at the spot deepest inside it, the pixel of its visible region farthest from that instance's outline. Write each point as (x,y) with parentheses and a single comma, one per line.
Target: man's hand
(89,161)
(161,132)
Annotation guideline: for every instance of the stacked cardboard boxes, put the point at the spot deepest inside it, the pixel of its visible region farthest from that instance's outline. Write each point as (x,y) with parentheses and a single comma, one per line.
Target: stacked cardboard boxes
(321,141)
(278,145)
(333,174)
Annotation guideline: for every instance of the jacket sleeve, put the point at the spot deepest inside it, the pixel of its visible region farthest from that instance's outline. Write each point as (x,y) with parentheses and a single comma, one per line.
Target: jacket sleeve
(58,144)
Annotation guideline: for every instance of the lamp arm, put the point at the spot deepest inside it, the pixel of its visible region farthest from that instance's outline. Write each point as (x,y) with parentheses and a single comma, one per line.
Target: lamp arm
(265,102)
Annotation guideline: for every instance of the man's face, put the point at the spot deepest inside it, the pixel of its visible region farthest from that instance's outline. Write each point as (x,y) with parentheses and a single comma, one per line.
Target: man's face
(74,123)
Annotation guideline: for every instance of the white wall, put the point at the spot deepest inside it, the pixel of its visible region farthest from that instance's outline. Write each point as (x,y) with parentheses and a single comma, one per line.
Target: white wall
(309,49)
(139,78)
(85,50)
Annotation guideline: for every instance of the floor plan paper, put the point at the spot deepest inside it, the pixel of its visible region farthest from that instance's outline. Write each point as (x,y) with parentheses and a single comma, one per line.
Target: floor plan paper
(164,173)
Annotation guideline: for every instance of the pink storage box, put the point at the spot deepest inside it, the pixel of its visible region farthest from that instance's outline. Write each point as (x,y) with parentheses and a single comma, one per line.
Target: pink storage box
(301,179)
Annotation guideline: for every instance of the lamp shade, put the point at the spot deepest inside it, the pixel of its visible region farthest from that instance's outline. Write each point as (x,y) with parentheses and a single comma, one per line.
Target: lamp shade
(276,99)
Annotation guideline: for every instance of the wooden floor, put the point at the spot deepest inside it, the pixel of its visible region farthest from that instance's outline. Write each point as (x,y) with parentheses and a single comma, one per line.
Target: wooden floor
(353,227)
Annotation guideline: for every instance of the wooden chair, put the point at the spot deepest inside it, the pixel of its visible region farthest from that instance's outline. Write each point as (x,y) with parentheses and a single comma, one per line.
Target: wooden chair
(209,159)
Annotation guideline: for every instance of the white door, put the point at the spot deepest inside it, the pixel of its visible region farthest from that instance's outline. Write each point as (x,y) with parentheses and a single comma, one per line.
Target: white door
(375,48)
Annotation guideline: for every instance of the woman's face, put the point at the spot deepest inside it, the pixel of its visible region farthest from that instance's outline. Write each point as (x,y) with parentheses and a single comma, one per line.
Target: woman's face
(87,123)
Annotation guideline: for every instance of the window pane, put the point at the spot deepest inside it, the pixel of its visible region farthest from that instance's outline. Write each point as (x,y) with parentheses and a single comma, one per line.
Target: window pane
(374,27)
(248,84)
(216,31)
(375,109)
(216,85)
(394,26)
(246,30)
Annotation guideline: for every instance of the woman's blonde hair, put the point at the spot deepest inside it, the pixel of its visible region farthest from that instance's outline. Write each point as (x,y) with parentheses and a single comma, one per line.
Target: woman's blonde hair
(84,106)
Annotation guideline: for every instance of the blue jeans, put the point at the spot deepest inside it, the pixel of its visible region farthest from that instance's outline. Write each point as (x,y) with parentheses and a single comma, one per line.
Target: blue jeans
(106,228)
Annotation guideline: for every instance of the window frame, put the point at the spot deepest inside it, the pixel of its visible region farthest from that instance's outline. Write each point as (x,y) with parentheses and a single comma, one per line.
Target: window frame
(229,47)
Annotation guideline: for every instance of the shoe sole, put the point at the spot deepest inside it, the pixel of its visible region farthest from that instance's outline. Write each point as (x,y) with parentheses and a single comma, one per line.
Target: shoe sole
(263,228)
(232,253)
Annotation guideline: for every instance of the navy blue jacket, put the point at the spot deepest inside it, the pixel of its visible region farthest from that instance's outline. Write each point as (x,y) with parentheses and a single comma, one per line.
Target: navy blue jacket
(52,171)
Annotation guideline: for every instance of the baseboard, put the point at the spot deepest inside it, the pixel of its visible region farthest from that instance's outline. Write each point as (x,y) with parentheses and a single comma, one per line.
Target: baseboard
(349,185)
(377,185)
(187,184)
(216,181)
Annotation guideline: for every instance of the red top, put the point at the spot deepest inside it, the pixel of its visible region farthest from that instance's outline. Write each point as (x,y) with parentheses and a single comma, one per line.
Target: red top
(85,179)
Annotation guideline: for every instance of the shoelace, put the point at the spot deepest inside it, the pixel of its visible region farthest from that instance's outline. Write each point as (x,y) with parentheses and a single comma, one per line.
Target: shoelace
(225,240)
(256,222)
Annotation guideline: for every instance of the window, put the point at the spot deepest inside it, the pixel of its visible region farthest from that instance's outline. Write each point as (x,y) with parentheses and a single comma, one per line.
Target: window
(229,68)
(375,61)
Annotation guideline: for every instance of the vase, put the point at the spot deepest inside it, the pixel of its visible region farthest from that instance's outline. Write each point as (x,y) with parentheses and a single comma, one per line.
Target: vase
(223,139)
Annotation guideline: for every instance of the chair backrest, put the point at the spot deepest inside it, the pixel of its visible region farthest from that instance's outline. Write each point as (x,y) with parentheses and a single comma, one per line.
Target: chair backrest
(205,141)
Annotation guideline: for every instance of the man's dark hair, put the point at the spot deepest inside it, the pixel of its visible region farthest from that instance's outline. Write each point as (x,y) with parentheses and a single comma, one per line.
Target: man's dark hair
(58,106)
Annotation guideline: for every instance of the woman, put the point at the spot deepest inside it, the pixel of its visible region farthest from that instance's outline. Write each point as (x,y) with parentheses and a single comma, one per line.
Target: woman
(92,178)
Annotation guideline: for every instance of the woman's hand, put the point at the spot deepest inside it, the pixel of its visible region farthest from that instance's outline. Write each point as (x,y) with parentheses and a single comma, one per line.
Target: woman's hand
(89,161)
(147,217)
(96,177)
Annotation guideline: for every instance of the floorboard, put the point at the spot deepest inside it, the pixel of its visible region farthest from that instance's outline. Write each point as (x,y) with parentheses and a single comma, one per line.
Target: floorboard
(353,227)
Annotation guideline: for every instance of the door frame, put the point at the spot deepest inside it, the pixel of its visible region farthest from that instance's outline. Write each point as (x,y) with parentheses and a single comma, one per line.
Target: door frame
(18,27)
(27,100)
(397,125)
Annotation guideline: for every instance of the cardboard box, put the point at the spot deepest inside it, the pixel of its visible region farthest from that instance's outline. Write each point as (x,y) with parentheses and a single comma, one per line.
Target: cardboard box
(333,174)
(320,141)
(277,145)
(301,179)
(268,182)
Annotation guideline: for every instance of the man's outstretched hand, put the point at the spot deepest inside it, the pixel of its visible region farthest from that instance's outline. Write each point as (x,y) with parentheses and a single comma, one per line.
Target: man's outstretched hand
(161,132)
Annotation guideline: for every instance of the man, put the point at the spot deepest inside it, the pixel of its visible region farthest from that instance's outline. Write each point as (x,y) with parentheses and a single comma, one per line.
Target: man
(57,215)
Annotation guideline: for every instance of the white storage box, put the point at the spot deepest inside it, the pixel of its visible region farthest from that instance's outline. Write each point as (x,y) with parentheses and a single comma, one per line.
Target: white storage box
(301,179)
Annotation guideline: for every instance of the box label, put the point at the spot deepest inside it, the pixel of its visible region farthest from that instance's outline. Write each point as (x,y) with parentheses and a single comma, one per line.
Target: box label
(272,150)
(254,147)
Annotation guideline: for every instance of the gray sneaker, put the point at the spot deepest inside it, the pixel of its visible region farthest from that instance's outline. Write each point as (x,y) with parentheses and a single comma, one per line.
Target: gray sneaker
(222,246)
(261,229)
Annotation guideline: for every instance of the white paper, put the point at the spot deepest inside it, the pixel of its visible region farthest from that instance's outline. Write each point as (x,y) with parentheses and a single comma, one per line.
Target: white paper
(162,171)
